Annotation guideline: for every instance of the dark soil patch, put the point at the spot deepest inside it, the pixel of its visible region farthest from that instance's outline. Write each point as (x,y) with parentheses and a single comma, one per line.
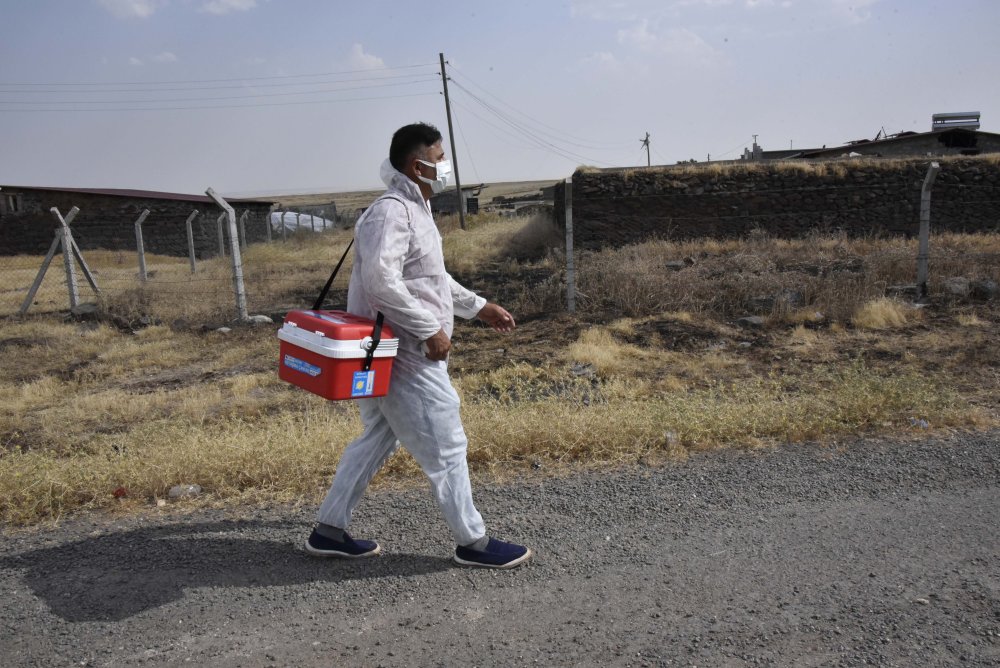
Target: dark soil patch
(673,335)
(536,340)
(22,342)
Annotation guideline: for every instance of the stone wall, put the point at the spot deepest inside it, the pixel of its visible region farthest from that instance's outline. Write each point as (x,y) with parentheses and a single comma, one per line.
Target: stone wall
(787,199)
(108,222)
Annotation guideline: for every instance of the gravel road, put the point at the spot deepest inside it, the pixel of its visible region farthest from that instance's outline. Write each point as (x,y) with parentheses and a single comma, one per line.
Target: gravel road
(873,552)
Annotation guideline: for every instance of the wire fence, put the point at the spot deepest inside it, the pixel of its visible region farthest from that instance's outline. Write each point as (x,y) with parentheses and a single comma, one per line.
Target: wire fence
(286,269)
(132,282)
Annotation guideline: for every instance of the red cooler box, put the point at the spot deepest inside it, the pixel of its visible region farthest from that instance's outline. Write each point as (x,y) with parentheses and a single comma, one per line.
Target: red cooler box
(324,352)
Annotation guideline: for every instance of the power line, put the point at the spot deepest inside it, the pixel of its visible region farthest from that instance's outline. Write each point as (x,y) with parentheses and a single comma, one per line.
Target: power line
(565,153)
(544,125)
(468,149)
(223,106)
(194,88)
(193,81)
(504,131)
(209,99)
(719,155)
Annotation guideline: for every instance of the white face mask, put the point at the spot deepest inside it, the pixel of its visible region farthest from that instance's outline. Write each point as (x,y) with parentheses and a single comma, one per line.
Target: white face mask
(443,175)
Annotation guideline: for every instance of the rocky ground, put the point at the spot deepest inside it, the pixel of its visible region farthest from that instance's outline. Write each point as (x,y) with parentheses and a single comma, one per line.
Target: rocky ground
(873,552)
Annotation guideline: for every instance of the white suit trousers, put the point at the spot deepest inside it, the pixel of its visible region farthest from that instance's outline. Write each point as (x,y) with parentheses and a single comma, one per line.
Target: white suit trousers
(421,411)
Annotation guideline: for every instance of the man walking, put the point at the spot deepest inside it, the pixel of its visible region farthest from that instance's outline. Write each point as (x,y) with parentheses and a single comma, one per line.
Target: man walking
(399,270)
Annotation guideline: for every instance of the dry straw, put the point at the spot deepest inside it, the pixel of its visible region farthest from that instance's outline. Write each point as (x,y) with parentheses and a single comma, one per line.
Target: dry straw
(99,411)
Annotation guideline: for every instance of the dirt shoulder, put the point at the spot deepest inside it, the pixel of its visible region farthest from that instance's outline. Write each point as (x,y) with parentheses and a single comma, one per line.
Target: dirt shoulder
(880,552)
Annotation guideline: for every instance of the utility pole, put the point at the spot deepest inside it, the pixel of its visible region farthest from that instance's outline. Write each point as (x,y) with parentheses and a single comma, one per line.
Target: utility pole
(645,145)
(454,151)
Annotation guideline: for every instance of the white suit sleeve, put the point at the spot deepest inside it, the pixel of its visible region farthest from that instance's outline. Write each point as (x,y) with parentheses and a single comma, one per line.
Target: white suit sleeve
(385,239)
(467,303)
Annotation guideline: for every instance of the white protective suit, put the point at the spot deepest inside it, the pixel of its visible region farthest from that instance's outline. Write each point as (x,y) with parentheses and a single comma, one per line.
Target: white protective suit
(399,270)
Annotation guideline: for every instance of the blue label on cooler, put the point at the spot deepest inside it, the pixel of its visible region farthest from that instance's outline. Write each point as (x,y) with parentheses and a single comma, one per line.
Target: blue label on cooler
(363,384)
(303,366)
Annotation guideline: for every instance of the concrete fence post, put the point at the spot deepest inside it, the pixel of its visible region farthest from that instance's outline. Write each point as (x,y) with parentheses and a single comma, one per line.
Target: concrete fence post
(234,245)
(190,237)
(284,232)
(139,247)
(270,214)
(243,229)
(925,228)
(222,236)
(570,267)
(63,238)
(67,251)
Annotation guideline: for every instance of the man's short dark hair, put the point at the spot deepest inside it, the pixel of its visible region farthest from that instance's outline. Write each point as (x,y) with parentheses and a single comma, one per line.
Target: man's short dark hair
(410,139)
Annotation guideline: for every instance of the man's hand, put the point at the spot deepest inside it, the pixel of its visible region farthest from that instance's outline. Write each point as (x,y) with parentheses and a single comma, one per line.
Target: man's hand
(437,347)
(497,317)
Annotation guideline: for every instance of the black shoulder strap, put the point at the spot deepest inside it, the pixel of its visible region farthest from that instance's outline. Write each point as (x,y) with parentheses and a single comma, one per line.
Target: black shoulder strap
(326,288)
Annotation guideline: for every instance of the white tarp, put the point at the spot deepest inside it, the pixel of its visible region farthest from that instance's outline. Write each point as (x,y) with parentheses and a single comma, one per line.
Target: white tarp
(294,221)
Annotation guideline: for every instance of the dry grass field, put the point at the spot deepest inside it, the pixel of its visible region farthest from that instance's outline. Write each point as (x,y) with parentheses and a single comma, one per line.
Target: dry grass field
(110,413)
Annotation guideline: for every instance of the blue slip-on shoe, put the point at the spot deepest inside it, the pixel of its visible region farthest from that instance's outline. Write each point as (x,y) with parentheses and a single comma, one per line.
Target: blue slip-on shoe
(497,554)
(321,546)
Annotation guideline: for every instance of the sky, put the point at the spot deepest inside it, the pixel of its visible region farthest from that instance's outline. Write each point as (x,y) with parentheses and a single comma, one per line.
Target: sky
(255,97)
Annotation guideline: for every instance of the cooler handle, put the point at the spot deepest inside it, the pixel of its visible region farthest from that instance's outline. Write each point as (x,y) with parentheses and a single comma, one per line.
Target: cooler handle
(376,337)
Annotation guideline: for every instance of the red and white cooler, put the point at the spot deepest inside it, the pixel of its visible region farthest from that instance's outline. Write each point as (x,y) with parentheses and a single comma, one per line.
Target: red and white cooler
(324,352)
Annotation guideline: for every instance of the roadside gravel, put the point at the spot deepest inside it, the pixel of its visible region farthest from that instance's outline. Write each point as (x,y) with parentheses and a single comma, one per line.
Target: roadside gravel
(873,552)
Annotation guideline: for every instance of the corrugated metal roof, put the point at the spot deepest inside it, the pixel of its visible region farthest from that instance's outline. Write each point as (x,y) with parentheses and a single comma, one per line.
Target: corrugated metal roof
(139,194)
(901,138)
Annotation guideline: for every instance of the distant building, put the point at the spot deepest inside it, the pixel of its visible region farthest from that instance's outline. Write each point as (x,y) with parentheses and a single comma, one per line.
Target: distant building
(950,134)
(107,219)
(447,202)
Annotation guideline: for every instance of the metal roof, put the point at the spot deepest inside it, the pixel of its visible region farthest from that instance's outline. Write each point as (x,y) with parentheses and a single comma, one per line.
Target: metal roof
(139,194)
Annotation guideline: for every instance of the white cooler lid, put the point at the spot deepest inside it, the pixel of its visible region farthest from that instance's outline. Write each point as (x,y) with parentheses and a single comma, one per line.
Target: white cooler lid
(336,348)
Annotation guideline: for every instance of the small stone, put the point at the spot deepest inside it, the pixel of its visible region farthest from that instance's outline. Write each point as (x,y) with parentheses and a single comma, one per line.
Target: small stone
(922,601)
(791,298)
(957,286)
(224,330)
(902,291)
(87,310)
(260,320)
(184,491)
(675,265)
(160,503)
(984,289)
(582,370)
